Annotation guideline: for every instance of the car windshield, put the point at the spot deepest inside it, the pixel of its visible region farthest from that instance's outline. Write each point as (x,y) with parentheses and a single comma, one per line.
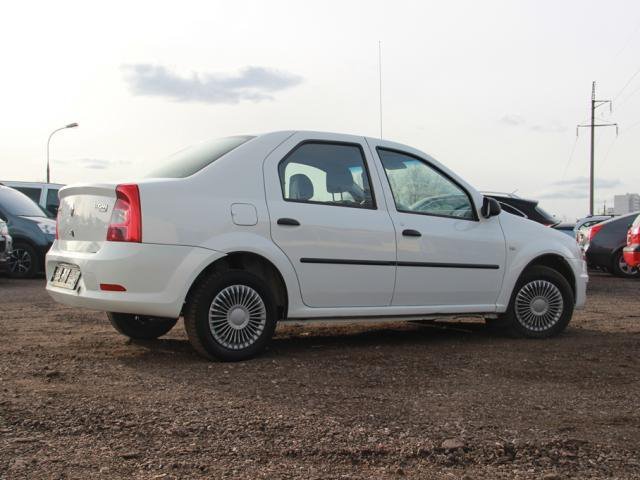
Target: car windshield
(190,160)
(16,203)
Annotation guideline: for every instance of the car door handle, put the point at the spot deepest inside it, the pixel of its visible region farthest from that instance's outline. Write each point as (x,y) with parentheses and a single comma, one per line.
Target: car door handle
(411,233)
(288,221)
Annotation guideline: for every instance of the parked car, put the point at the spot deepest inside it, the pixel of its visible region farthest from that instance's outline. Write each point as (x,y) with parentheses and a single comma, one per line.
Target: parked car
(32,231)
(5,245)
(566,228)
(631,252)
(522,207)
(239,233)
(583,224)
(603,245)
(44,194)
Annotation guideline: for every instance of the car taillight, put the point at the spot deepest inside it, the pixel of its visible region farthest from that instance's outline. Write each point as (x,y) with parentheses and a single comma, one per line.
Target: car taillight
(126,218)
(593,231)
(57,223)
(633,236)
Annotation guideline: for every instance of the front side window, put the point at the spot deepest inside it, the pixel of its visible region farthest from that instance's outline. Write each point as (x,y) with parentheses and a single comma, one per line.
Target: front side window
(326,173)
(419,188)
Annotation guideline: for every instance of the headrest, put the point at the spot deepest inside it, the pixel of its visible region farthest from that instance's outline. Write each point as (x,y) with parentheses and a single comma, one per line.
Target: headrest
(339,180)
(300,187)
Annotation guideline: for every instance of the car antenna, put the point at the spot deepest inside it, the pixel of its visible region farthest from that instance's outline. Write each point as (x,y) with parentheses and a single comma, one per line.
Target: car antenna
(380,82)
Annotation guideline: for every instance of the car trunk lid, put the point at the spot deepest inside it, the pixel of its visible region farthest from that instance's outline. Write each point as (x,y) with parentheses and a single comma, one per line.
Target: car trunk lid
(84,216)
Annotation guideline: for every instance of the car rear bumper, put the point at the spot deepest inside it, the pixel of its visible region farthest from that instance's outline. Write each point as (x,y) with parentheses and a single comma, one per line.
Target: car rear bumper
(632,255)
(156,277)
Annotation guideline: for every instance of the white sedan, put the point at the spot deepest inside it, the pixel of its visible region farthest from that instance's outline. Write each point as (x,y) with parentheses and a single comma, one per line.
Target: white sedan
(239,233)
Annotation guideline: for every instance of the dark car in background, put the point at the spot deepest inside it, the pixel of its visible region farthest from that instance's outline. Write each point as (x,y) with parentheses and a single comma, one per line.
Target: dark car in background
(32,231)
(603,244)
(5,245)
(523,207)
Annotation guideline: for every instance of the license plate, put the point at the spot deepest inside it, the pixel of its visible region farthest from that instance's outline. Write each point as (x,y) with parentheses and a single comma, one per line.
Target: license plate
(65,276)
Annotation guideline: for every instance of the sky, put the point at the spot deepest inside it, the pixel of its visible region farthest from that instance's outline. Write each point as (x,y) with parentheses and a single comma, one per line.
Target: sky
(492,89)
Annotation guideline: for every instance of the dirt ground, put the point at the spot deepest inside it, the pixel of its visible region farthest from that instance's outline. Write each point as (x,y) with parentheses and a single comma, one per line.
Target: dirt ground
(77,400)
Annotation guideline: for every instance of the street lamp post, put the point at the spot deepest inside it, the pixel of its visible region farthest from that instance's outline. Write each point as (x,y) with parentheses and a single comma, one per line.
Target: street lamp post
(71,125)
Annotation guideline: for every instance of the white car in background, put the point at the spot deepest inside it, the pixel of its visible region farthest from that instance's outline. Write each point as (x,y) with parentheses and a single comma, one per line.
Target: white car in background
(239,233)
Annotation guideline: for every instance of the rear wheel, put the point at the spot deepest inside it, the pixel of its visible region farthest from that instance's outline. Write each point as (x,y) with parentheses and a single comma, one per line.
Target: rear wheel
(620,268)
(23,261)
(541,305)
(141,327)
(231,316)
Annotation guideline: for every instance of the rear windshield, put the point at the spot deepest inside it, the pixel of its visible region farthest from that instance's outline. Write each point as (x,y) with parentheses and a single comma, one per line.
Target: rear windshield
(192,159)
(16,203)
(546,215)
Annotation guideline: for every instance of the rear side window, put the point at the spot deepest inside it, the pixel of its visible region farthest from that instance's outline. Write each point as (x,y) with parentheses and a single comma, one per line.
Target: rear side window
(190,160)
(326,173)
(32,192)
(52,201)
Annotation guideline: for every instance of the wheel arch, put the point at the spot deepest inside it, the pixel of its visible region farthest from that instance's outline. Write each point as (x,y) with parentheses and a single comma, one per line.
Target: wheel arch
(555,262)
(251,262)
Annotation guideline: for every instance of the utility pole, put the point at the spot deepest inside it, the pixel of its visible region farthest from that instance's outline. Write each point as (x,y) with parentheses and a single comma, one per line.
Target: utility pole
(595,104)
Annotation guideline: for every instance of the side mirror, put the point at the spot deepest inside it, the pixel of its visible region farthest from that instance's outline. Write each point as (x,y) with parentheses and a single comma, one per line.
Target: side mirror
(490,207)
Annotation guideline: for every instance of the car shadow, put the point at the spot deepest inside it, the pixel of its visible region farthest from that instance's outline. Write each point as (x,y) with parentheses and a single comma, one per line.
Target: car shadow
(301,341)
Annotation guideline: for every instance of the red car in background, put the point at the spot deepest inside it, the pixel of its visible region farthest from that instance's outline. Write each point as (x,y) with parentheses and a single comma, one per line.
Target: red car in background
(632,250)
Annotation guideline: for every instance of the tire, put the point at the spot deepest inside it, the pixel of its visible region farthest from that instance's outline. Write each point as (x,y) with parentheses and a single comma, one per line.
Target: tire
(620,268)
(231,316)
(140,327)
(528,315)
(23,261)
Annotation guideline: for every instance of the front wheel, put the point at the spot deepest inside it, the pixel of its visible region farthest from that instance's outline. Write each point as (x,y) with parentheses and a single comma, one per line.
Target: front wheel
(23,261)
(231,316)
(541,305)
(141,327)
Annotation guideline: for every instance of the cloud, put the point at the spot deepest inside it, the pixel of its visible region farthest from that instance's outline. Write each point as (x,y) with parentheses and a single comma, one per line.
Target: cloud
(584,181)
(250,83)
(93,163)
(576,188)
(564,194)
(514,120)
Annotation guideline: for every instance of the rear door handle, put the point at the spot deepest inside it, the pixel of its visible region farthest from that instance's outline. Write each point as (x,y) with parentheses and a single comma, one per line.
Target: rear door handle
(288,221)
(411,233)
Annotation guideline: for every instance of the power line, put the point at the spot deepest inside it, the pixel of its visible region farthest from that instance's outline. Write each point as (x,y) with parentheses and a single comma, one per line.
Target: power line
(626,84)
(573,149)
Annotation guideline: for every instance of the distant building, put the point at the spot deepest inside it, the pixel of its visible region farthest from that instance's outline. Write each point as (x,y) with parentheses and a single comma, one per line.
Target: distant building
(627,203)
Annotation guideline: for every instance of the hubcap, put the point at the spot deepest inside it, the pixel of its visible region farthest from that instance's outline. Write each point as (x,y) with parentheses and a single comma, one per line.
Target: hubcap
(19,261)
(625,268)
(237,317)
(539,305)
